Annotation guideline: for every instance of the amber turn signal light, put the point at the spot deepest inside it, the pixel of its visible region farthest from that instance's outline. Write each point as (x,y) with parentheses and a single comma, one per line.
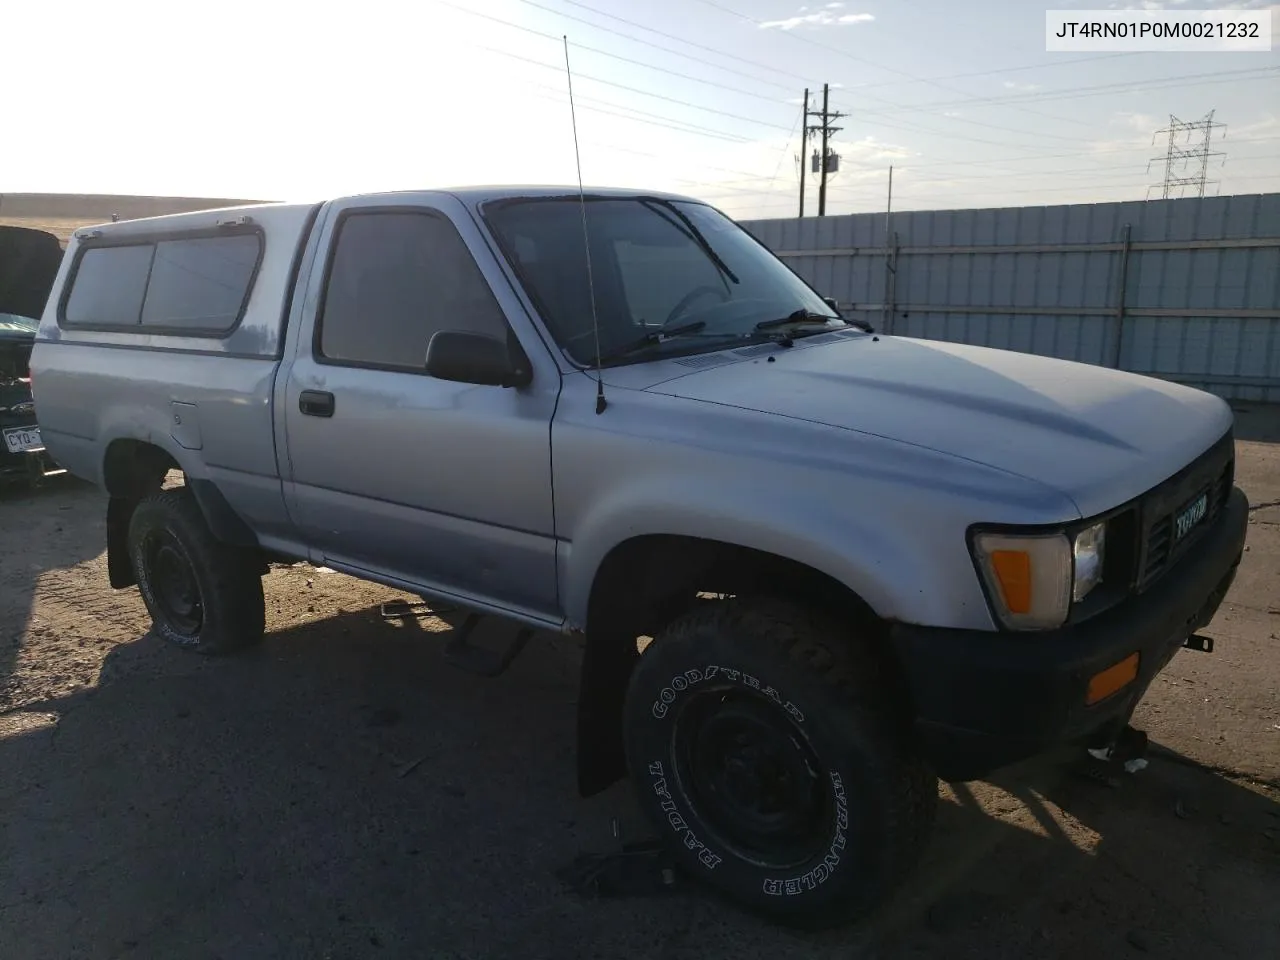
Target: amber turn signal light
(1115,677)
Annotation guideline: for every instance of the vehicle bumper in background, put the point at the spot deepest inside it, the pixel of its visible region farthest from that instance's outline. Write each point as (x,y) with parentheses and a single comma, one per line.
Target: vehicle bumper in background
(26,465)
(984,700)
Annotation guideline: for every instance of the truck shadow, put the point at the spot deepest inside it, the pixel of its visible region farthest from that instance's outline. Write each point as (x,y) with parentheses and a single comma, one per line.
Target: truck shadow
(341,792)
(57,526)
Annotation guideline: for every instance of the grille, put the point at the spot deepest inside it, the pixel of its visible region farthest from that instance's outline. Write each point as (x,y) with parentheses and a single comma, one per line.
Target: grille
(1211,474)
(703,360)
(758,350)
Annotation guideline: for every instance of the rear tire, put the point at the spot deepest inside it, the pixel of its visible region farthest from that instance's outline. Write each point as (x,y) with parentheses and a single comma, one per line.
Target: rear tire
(202,594)
(766,750)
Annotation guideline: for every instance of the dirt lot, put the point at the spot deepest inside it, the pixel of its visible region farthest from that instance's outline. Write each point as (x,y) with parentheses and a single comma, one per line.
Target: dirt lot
(341,793)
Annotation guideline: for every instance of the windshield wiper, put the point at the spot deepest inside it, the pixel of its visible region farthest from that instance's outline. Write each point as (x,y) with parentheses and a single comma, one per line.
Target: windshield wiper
(691,231)
(654,337)
(799,316)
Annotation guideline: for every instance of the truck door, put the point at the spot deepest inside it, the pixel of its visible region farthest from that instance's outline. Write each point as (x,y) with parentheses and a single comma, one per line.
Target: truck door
(428,483)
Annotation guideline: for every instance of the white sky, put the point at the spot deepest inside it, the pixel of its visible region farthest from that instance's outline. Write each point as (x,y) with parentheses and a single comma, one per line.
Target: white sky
(265,99)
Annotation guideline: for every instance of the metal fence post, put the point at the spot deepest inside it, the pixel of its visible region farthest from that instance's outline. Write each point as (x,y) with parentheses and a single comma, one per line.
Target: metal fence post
(1117,341)
(890,280)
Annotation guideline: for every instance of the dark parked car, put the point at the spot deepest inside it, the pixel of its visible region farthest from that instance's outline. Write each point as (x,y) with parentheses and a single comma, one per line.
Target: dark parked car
(29,261)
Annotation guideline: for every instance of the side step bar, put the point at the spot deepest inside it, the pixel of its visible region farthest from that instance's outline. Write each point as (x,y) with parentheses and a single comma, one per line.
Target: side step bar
(459,652)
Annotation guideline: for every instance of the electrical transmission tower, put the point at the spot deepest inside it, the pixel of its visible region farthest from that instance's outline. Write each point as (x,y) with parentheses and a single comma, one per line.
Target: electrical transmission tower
(824,162)
(1197,153)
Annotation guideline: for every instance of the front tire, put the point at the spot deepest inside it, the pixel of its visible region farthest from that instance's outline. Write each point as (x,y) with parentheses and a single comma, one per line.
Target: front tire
(767,752)
(202,594)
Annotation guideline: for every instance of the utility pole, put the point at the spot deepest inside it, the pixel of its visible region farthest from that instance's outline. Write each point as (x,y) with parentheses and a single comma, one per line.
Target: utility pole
(1199,154)
(804,147)
(827,162)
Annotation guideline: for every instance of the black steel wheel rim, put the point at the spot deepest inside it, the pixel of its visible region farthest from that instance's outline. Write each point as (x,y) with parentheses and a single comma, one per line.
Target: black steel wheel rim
(753,778)
(173,583)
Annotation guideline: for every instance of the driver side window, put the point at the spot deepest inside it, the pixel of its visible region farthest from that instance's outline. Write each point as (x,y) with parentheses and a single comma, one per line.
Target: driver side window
(656,278)
(396,277)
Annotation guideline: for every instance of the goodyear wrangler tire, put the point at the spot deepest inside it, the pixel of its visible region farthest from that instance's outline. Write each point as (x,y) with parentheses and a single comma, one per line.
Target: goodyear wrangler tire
(202,594)
(764,750)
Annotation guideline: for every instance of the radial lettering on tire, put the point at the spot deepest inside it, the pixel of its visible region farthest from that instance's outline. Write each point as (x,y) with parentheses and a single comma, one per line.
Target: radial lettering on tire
(678,823)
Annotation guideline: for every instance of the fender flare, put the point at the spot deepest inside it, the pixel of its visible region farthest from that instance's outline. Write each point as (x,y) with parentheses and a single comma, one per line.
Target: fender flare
(223,520)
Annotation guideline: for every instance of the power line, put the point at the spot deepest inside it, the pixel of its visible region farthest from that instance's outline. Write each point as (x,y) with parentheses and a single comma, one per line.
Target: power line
(637,116)
(998,175)
(615,56)
(802,118)
(1067,93)
(871,63)
(670,36)
(636,90)
(898,108)
(1040,190)
(997,70)
(1051,156)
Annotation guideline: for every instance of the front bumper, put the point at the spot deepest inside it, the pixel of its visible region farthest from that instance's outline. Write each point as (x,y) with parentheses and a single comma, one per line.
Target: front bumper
(984,700)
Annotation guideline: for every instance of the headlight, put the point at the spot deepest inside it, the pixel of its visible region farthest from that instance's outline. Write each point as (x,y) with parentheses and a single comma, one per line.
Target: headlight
(1033,578)
(1089,550)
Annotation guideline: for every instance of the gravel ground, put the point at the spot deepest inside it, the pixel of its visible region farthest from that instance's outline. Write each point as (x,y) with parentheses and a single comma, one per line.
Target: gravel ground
(341,793)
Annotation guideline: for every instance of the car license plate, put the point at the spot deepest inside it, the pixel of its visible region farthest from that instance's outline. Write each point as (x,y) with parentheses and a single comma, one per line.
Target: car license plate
(23,440)
(1189,516)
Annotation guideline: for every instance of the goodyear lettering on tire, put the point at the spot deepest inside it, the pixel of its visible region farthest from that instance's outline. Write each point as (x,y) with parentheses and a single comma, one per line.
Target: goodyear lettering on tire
(682,682)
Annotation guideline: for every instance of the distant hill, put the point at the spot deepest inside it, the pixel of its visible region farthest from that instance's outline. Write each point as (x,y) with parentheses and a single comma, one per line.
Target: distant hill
(62,213)
(101,206)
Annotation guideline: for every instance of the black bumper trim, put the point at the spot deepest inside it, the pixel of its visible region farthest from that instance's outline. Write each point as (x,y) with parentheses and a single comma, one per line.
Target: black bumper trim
(984,700)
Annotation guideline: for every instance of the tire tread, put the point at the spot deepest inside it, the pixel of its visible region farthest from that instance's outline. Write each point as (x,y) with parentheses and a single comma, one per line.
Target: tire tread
(236,599)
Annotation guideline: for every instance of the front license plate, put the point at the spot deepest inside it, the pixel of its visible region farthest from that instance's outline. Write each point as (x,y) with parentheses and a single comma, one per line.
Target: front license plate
(1187,518)
(23,440)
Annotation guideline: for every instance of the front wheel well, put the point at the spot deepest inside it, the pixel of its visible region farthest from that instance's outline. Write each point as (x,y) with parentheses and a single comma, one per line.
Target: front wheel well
(647,582)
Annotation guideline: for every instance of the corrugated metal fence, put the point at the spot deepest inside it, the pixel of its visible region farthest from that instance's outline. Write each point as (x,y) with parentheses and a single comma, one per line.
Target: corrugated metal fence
(1188,290)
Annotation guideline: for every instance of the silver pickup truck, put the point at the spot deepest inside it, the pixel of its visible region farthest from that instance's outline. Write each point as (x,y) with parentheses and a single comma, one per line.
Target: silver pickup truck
(814,568)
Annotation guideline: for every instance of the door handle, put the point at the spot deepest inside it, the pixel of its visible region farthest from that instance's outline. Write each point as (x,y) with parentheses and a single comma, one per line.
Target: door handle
(316,403)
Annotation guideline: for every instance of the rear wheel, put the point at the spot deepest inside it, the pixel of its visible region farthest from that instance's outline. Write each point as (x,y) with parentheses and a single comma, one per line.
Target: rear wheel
(202,594)
(765,750)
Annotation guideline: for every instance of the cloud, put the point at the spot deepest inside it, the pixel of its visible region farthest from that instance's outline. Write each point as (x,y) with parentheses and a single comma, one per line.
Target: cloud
(828,16)
(1151,4)
(1141,122)
(1015,85)
(1167,4)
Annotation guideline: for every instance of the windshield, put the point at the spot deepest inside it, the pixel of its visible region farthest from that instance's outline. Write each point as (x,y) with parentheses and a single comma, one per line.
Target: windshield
(655,264)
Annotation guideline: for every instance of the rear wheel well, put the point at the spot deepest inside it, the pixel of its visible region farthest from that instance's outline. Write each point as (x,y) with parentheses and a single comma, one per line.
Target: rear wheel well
(645,583)
(134,469)
(131,470)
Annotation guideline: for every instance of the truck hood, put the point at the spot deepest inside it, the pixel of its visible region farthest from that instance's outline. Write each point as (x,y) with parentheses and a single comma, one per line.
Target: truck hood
(29,262)
(1098,436)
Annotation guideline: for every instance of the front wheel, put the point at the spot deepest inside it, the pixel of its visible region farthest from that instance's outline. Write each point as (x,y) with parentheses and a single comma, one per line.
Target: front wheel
(765,751)
(202,594)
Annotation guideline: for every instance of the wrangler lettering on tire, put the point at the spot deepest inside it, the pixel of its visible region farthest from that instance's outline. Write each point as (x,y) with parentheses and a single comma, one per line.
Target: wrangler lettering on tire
(764,751)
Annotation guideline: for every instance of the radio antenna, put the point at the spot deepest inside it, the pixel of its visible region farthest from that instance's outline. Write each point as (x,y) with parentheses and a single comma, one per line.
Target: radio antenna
(586,236)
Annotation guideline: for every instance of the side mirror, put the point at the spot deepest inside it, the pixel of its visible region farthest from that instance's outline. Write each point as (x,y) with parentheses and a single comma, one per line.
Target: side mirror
(479,358)
(831,302)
